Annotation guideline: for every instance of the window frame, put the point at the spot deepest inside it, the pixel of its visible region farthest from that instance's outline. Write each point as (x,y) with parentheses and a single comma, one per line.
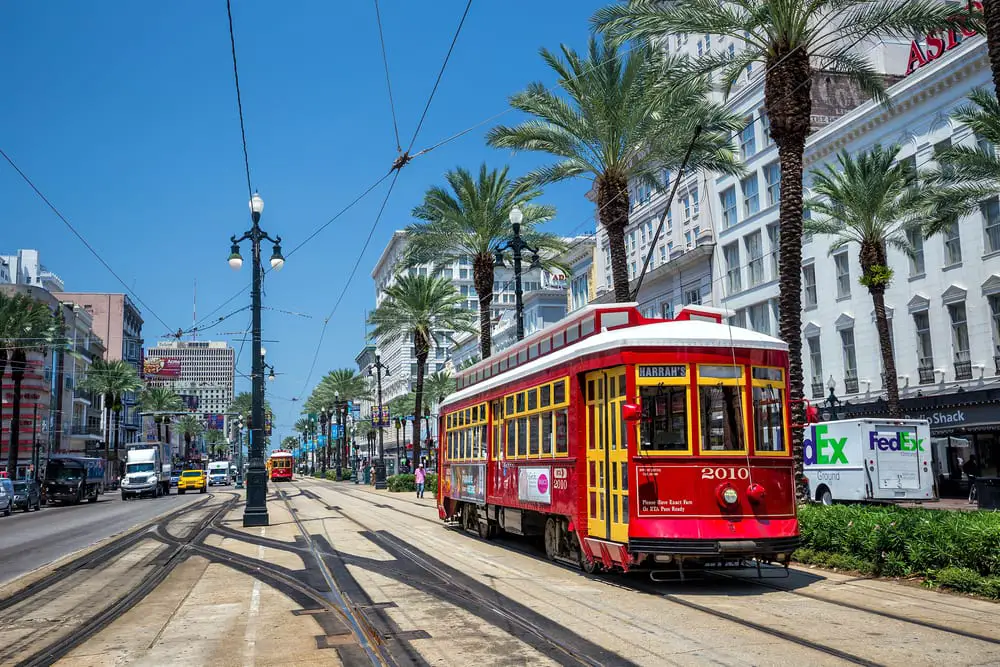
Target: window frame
(741,384)
(781,386)
(532,417)
(641,452)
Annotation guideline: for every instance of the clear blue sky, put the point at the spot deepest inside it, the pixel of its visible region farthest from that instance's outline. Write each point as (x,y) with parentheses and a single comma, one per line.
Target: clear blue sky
(124,115)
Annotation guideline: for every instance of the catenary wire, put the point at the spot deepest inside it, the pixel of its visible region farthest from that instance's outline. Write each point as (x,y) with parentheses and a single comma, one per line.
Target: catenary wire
(239,99)
(388,82)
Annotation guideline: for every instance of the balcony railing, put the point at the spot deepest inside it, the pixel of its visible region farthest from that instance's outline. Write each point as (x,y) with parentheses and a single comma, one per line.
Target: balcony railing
(851,384)
(963,370)
(817,389)
(79,428)
(926,374)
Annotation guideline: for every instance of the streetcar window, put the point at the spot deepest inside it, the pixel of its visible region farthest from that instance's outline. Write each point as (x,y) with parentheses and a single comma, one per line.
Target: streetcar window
(723,372)
(482,412)
(532,399)
(559,392)
(721,418)
(533,433)
(772,374)
(510,405)
(522,436)
(522,356)
(494,368)
(557,340)
(482,441)
(545,345)
(768,421)
(664,423)
(533,351)
(572,333)
(468,419)
(545,425)
(544,395)
(503,364)
(510,438)
(520,402)
(562,430)
(587,327)
(622,385)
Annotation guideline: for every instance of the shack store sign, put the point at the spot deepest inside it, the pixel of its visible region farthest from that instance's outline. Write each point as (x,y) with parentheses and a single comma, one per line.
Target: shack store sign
(936,45)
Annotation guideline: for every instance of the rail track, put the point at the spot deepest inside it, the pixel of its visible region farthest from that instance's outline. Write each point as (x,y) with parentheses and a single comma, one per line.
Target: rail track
(44,642)
(652,588)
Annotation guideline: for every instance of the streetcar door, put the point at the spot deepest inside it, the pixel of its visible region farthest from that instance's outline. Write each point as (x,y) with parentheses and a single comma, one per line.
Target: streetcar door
(607,456)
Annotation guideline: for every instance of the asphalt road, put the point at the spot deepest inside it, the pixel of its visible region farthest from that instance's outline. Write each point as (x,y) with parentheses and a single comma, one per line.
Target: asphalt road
(30,540)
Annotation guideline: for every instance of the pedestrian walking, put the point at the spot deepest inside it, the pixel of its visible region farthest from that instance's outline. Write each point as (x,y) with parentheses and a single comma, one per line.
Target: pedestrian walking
(971,469)
(420,476)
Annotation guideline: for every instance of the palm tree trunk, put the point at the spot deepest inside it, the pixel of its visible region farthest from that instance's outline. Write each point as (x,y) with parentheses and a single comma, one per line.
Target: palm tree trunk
(18,363)
(787,94)
(482,277)
(118,416)
(991,17)
(888,359)
(422,348)
(612,203)
(107,430)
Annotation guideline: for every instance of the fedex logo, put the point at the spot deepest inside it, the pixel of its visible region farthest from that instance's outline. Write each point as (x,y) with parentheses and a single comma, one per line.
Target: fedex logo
(822,449)
(903,441)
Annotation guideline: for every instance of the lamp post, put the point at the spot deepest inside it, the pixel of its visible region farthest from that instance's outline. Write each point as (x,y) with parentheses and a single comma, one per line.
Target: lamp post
(324,450)
(338,411)
(378,367)
(255,512)
(516,245)
(832,402)
(427,423)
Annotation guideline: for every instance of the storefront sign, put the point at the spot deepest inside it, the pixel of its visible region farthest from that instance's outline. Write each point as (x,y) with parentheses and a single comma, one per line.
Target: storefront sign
(663,371)
(936,45)
(534,485)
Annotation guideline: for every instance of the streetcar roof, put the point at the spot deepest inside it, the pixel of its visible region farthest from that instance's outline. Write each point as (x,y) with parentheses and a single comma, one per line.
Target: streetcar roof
(667,333)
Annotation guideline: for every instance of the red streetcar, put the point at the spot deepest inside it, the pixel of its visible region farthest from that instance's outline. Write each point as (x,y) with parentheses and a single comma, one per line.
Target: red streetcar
(279,466)
(627,442)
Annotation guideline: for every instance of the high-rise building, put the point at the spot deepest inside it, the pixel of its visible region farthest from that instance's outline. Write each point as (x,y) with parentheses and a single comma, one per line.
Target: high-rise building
(116,320)
(25,268)
(205,373)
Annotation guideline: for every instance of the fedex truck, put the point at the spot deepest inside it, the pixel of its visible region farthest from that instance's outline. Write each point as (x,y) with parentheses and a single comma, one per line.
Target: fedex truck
(881,460)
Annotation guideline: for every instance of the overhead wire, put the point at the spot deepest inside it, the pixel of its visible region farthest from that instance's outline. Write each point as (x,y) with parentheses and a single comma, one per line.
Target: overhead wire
(239,98)
(388,82)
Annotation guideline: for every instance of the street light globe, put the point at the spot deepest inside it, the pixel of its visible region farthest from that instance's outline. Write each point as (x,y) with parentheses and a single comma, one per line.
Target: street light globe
(235,262)
(277,263)
(256,204)
(516,216)
(831,384)
(263,351)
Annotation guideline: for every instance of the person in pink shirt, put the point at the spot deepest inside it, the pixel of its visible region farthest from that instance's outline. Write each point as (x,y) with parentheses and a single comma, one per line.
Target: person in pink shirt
(420,476)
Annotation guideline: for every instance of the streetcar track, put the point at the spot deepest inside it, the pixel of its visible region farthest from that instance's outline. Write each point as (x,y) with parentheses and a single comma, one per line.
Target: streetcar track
(178,549)
(781,634)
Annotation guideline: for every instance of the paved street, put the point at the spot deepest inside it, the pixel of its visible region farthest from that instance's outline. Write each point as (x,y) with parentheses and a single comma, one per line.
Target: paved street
(30,540)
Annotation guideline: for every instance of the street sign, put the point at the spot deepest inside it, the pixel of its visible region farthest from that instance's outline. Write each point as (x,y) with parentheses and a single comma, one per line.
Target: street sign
(322,441)
(335,431)
(384,421)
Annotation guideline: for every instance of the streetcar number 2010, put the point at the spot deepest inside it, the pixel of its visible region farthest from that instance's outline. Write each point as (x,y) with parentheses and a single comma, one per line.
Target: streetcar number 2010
(725,473)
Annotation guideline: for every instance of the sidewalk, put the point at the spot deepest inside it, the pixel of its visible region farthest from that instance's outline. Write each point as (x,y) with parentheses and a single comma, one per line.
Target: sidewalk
(953,504)
(213,612)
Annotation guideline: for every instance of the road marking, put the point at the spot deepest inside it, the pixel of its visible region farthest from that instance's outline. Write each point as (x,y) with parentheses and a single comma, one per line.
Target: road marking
(250,636)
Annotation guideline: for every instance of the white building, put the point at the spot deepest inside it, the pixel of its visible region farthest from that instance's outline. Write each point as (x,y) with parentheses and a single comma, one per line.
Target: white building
(25,268)
(399,355)
(207,370)
(944,304)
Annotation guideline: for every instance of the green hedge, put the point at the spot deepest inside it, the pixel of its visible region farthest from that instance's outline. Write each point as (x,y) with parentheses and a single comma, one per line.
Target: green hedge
(959,550)
(406,482)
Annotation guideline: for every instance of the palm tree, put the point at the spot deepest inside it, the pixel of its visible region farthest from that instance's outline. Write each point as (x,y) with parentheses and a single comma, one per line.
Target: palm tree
(439,385)
(161,401)
(969,174)
(242,405)
(112,380)
(873,201)
(215,441)
(625,117)
(419,305)
(26,325)
(788,37)
(190,427)
(469,218)
(342,384)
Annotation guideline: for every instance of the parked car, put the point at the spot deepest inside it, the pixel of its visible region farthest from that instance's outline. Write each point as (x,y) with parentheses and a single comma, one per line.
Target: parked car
(192,480)
(6,496)
(27,495)
(173,480)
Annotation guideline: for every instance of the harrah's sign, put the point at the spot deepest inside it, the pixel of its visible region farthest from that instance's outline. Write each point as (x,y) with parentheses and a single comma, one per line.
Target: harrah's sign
(936,44)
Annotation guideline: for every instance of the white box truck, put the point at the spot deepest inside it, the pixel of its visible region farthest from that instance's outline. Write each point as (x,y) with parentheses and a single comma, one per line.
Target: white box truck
(147,470)
(881,460)
(218,473)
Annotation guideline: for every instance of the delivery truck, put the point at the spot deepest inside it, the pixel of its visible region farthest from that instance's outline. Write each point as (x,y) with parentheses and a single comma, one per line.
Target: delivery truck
(71,479)
(878,460)
(147,470)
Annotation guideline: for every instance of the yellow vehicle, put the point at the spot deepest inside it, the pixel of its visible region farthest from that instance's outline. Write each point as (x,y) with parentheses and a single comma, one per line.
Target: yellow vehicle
(192,480)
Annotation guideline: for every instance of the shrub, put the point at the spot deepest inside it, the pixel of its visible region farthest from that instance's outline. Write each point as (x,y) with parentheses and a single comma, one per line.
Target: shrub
(401,483)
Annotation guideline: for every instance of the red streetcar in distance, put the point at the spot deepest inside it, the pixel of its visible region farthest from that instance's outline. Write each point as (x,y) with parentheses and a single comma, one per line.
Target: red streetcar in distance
(279,466)
(627,442)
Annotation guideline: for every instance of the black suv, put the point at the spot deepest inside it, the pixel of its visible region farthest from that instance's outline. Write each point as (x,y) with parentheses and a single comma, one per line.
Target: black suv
(27,495)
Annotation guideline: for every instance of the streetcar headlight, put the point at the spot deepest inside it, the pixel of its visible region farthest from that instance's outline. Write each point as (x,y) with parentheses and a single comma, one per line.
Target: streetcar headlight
(729,495)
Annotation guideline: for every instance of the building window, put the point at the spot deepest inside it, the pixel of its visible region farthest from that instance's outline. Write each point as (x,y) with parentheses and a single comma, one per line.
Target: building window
(815,365)
(774,238)
(732,51)
(850,361)
(772,175)
(695,202)
(751,196)
(686,203)
(708,42)
(765,126)
(667,310)
(842,266)
(809,285)
(631,270)
(728,198)
(952,245)
(731,254)
(925,352)
(760,318)
(755,259)
(700,51)
(692,297)
(991,221)
(748,143)
(916,239)
(959,334)
(994,301)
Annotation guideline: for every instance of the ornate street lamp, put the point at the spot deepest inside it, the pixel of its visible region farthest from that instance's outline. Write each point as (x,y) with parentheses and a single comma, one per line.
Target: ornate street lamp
(832,402)
(377,368)
(516,245)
